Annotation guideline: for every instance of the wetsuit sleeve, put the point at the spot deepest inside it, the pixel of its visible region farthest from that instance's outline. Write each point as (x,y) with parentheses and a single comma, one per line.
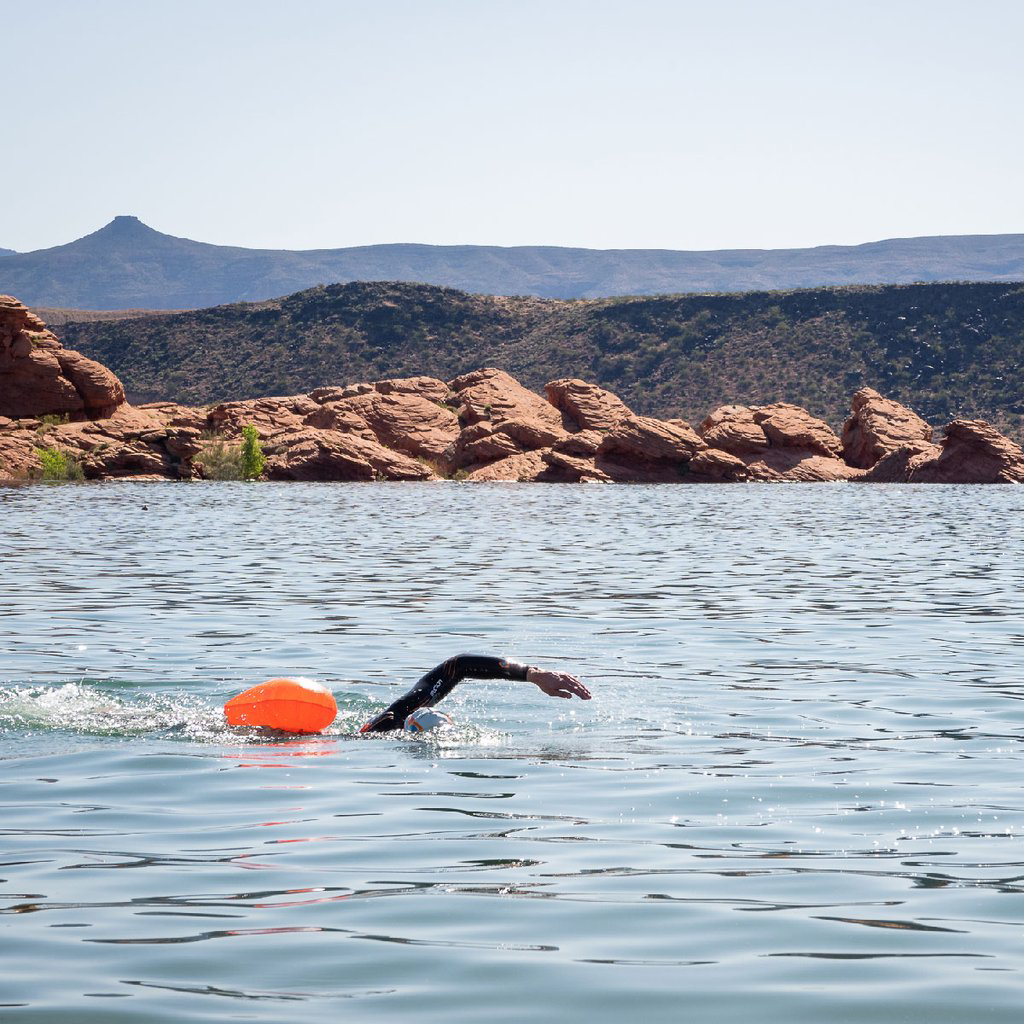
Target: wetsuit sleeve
(439,682)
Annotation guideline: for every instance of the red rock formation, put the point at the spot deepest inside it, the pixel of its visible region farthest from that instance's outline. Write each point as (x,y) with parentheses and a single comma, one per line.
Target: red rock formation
(500,420)
(641,437)
(778,442)
(494,396)
(972,452)
(526,467)
(308,454)
(18,442)
(879,426)
(267,415)
(39,377)
(733,429)
(130,443)
(642,449)
(585,406)
(897,466)
(799,465)
(789,426)
(407,421)
(714,465)
(483,426)
(177,415)
(572,459)
(431,388)
(565,468)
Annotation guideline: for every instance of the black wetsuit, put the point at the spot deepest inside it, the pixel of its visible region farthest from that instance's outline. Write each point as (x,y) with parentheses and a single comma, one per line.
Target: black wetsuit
(439,682)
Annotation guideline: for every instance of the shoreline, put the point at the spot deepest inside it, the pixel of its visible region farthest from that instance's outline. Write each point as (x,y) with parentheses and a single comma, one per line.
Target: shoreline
(65,416)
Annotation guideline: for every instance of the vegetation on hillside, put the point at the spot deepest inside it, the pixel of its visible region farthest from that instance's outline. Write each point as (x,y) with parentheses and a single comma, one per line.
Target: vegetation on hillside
(946,350)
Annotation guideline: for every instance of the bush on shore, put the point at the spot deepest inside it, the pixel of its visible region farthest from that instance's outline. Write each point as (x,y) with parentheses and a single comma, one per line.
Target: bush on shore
(58,466)
(223,461)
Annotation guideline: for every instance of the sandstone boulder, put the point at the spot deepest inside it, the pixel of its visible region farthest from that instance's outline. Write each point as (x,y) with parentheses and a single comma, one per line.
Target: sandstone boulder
(338,415)
(133,442)
(972,452)
(307,454)
(525,467)
(582,445)
(567,468)
(879,426)
(897,467)
(644,450)
(176,415)
(486,447)
(789,426)
(500,419)
(733,429)
(647,439)
(430,388)
(585,406)
(717,466)
(18,442)
(407,420)
(39,377)
(267,415)
(338,392)
(798,465)
(493,395)
(777,443)
(120,459)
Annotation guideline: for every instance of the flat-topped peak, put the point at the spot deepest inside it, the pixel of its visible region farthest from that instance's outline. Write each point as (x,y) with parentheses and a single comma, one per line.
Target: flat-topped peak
(127,222)
(124,233)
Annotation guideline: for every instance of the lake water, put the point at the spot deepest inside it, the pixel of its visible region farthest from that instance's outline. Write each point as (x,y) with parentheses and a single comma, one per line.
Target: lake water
(796,795)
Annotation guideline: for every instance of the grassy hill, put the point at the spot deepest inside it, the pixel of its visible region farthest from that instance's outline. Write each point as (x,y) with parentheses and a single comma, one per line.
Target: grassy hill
(945,349)
(127,265)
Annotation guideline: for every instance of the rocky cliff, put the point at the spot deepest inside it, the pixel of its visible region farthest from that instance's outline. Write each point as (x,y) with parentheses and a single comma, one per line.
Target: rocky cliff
(39,377)
(480,426)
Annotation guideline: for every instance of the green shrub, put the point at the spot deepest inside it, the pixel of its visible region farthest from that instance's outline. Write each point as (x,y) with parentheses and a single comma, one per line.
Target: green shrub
(252,458)
(54,419)
(51,420)
(221,461)
(58,465)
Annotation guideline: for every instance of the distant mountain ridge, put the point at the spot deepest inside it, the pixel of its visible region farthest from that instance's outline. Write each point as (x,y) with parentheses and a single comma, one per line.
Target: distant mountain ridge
(127,265)
(946,350)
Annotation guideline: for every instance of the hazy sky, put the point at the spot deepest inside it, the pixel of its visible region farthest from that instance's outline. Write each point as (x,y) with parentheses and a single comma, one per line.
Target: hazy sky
(602,123)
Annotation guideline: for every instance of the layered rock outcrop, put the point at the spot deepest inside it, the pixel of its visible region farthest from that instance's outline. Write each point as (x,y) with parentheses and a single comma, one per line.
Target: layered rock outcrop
(877,427)
(778,442)
(39,377)
(483,426)
(972,452)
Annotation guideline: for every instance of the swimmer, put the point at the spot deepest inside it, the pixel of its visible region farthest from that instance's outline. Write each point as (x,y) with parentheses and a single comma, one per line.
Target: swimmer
(440,681)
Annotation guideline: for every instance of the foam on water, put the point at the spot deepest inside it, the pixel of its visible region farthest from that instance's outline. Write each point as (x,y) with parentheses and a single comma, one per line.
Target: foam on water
(102,710)
(127,709)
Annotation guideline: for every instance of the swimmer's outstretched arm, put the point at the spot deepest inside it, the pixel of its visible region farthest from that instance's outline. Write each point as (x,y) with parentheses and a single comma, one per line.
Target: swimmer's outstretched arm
(440,681)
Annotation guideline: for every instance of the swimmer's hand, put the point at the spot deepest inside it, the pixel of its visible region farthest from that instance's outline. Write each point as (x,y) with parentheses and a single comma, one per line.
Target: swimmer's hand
(558,684)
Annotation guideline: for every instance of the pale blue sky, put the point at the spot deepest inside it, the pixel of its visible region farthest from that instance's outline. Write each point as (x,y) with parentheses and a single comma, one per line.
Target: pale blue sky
(648,123)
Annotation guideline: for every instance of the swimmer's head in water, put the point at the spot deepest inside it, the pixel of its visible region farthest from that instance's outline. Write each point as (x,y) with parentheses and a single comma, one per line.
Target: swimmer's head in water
(426,719)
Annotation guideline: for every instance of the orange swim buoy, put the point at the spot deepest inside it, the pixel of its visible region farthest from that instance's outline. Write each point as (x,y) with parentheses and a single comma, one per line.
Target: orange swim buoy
(290,705)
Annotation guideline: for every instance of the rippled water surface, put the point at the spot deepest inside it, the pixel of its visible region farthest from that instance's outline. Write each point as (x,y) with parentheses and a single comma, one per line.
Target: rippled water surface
(796,795)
